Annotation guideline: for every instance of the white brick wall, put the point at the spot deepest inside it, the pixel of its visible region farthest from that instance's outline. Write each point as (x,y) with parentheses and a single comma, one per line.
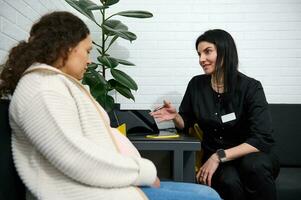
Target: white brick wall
(17,17)
(267,34)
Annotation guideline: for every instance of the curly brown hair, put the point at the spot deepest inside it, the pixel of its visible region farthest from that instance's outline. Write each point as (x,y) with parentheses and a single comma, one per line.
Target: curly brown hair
(50,39)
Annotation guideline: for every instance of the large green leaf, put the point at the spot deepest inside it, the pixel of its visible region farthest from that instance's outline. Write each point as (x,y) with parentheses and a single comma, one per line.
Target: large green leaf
(116,25)
(106,101)
(98,91)
(110,2)
(96,83)
(108,61)
(82,6)
(97,7)
(113,83)
(135,14)
(121,33)
(125,62)
(93,78)
(92,66)
(124,79)
(121,61)
(123,90)
(113,29)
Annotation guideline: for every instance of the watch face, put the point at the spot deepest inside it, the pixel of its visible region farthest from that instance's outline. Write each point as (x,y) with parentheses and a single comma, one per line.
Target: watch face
(221,155)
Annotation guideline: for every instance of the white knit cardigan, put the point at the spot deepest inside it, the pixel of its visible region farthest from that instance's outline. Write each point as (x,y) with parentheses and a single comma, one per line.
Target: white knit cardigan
(62,143)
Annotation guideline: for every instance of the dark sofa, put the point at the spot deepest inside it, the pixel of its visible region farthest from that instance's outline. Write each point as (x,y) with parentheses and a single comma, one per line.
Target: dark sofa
(287,133)
(11,187)
(286,123)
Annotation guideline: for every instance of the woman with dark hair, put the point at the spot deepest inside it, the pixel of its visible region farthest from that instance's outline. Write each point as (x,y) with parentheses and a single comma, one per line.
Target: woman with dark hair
(63,145)
(232,111)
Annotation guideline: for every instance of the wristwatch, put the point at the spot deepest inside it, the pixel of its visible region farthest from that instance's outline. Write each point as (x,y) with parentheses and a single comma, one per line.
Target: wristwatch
(221,155)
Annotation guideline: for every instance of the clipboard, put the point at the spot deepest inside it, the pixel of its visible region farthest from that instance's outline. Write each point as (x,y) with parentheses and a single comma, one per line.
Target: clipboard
(164,135)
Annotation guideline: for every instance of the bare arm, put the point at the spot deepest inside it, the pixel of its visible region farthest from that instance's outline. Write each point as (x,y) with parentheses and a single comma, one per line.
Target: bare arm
(206,172)
(178,121)
(239,151)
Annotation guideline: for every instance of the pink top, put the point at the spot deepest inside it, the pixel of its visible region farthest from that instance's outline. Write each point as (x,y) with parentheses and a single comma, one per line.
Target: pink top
(124,144)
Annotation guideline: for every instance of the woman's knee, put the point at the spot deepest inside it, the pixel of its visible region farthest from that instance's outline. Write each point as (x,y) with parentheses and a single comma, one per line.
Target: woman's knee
(230,183)
(255,164)
(178,190)
(227,181)
(230,188)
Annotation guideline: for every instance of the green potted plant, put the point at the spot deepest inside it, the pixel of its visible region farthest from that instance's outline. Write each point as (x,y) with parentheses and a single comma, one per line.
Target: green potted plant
(111,30)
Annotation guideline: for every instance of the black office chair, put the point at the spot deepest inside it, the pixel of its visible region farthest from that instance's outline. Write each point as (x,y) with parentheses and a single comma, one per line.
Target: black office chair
(11,186)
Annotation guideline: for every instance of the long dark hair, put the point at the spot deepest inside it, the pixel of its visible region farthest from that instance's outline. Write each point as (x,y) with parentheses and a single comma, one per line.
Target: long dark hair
(227,57)
(50,39)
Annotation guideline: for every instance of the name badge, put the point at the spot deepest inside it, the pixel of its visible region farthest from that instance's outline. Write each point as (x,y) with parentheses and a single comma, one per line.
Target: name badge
(228,117)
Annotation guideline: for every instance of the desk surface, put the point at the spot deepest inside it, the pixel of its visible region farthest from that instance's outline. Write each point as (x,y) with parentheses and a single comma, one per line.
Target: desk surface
(184,143)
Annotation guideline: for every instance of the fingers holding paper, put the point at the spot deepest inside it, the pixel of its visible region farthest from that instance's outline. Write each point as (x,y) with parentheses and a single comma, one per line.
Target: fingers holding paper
(165,112)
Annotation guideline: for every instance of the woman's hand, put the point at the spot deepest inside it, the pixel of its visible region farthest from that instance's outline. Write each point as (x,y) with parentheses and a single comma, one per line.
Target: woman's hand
(207,170)
(156,184)
(167,112)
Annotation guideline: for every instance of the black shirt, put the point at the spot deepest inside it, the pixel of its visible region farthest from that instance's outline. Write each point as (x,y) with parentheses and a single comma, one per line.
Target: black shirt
(252,121)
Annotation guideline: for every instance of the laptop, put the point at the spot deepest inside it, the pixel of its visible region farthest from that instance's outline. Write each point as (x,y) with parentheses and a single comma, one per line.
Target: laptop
(138,123)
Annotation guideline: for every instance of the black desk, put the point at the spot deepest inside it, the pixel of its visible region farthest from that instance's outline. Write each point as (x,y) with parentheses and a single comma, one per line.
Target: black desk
(183,150)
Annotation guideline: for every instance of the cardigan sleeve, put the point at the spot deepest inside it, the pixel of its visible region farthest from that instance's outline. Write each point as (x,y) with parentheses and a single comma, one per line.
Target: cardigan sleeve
(259,118)
(51,123)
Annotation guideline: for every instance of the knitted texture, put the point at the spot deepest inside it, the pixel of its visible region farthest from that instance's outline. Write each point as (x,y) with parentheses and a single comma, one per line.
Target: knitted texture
(64,149)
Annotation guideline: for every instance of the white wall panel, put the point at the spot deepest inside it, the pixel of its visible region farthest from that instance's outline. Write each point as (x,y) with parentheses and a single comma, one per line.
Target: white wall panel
(267,34)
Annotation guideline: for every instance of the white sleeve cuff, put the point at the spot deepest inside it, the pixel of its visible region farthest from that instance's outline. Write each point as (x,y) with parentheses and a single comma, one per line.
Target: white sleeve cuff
(147,173)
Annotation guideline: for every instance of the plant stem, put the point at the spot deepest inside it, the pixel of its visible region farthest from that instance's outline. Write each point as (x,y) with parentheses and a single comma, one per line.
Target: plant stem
(106,38)
(110,16)
(103,43)
(96,44)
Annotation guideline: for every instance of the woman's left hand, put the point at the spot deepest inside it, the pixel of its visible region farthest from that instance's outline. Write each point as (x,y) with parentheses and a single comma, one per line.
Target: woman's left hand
(157,183)
(207,170)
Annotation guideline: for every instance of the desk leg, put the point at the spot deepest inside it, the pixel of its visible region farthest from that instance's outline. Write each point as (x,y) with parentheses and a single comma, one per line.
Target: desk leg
(178,165)
(189,170)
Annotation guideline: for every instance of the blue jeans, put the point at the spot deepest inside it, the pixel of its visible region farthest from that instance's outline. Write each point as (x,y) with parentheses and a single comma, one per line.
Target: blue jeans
(180,191)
